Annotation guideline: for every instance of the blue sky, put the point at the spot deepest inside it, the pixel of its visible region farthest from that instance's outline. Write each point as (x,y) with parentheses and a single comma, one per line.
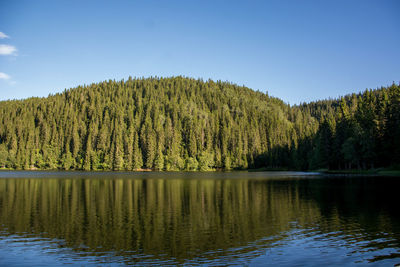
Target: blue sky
(296,50)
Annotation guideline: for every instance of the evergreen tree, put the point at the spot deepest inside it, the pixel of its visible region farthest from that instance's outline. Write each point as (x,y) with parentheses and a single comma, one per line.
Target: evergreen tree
(180,123)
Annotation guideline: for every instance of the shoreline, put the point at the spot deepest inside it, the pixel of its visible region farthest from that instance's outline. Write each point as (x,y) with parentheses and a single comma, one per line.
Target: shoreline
(380,171)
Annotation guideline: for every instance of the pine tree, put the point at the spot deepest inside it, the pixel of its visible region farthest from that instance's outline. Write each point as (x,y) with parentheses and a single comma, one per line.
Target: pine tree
(172,123)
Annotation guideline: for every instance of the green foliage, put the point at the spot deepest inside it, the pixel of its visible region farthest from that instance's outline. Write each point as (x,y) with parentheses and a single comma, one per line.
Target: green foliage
(159,161)
(67,161)
(205,161)
(191,164)
(180,123)
(357,131)
(349,150)
(227,162)
(137,158)
(3,156)
(174,163)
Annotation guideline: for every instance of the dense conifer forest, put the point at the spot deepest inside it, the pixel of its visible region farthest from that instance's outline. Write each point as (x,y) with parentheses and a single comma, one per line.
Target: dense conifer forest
(180,123)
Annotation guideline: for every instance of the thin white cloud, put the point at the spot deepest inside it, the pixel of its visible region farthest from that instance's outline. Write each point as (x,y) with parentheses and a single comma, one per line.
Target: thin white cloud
(4,76)
(3,35)
(7,49)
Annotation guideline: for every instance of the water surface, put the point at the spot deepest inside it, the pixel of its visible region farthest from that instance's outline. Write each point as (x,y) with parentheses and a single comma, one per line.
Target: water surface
(284,218)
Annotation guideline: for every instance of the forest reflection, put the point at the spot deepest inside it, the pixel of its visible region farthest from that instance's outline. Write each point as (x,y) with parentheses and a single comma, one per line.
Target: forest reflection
(181,219)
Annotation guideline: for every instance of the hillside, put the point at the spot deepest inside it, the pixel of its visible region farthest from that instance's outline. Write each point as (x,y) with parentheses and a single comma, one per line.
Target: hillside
(180,123)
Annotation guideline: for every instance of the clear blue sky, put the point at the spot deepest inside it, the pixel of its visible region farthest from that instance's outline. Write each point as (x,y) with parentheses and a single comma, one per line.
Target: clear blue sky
(296,50)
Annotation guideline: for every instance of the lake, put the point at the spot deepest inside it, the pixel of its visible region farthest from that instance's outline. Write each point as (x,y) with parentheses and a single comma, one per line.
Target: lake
(233,218)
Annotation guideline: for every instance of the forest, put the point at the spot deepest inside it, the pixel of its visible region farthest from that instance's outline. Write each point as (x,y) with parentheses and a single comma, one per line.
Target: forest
(180,123)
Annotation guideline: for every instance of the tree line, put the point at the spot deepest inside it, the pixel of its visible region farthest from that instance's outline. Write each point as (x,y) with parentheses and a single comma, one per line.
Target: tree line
(180,123)
(358,131)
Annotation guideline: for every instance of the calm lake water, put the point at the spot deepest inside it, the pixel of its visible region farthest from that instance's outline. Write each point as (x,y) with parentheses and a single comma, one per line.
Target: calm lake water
(238,218)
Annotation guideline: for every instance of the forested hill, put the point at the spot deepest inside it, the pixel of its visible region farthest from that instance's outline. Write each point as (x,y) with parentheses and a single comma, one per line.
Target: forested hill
(186,124)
